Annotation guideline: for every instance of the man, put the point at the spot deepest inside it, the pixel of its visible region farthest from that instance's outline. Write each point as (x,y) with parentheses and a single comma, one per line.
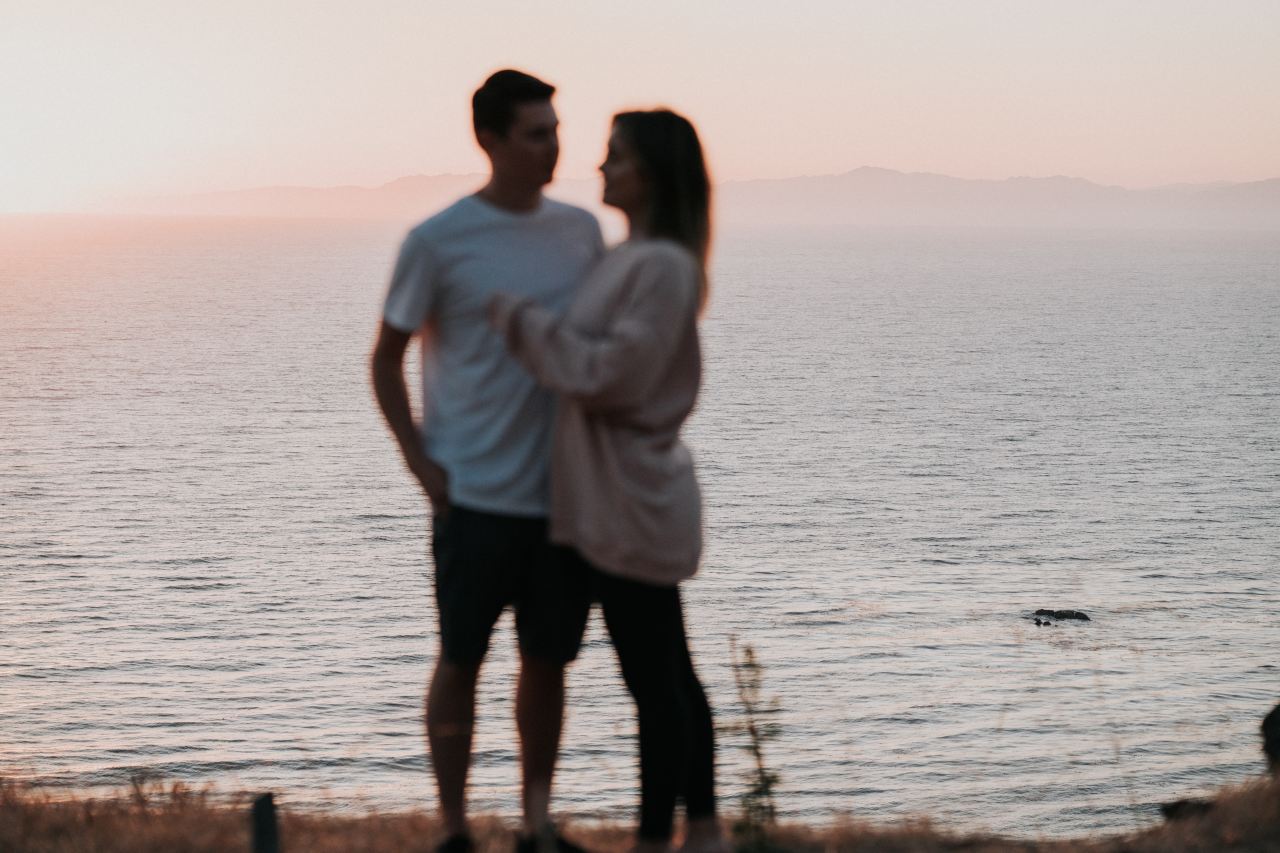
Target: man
(483,450)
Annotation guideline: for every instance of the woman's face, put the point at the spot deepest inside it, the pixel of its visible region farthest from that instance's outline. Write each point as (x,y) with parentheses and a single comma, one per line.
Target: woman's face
(624,185)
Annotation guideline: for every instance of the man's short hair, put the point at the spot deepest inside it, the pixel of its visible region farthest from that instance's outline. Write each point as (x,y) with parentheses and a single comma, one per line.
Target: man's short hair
(493,106)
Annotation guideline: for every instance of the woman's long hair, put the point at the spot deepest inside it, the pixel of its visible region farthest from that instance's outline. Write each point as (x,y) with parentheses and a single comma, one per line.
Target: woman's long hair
(676,174)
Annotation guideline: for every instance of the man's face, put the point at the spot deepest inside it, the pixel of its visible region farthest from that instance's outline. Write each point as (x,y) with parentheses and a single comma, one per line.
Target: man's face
(529,151)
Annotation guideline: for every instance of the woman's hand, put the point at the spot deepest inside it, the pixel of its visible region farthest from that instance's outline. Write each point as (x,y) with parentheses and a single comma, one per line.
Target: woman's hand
(494,310)
(501,308)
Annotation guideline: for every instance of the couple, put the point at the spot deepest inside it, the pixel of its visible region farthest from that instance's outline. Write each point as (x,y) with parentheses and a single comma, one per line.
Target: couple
(557,376)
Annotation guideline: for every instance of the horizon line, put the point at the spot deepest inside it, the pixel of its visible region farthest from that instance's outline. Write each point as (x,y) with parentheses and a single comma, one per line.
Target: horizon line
(862,168)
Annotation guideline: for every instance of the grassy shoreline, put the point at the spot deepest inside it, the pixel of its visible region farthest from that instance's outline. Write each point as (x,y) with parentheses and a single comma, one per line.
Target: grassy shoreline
(176,819)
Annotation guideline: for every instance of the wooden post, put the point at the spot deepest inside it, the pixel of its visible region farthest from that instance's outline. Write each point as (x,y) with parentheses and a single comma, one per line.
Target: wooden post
(266,831)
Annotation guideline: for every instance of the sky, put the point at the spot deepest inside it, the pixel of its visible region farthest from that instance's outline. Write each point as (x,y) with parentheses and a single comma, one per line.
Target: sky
(125,98)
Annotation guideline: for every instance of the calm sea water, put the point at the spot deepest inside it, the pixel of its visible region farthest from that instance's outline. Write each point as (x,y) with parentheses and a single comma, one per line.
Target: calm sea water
(213,568)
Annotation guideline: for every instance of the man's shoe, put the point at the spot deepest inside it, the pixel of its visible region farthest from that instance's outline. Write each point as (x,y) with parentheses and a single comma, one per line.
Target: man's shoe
(547,841)
(460,843)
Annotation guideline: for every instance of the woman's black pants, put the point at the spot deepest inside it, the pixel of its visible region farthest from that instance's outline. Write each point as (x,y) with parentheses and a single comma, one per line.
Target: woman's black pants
(677,737)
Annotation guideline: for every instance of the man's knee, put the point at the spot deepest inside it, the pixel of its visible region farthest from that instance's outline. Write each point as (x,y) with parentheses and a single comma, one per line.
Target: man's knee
(456,673)
(542,685)
(451,699)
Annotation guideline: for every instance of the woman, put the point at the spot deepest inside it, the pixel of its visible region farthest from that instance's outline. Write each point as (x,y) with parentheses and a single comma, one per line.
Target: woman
(626,361)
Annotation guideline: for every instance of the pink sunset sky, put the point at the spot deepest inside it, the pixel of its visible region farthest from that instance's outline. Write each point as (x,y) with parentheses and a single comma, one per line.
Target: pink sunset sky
(135,97)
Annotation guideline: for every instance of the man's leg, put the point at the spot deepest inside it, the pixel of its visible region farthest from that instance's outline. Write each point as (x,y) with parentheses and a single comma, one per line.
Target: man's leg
(472,588)
(551,615)
(539,719)
(451,706)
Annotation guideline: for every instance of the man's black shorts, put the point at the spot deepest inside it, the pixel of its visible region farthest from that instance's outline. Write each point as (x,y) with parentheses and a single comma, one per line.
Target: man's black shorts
(484,562)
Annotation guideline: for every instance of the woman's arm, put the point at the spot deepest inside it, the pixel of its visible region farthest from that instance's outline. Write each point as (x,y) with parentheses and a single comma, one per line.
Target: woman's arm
(620,365)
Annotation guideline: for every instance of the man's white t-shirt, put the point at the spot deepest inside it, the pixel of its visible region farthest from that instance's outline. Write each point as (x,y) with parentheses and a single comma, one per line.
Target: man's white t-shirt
(485,420)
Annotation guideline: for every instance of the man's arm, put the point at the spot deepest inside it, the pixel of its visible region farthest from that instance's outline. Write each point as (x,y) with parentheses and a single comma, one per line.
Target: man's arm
(387,372)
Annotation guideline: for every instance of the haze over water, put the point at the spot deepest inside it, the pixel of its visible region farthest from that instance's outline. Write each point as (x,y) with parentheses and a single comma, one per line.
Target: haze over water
(212,566)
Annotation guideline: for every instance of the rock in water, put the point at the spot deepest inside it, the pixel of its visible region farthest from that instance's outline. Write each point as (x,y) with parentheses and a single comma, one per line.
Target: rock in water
(1064,614)
(1183,809)
(1271,739)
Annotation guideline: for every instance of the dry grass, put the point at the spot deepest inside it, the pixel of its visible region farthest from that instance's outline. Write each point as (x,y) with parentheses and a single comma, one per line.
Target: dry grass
(176,819)
(1244,818)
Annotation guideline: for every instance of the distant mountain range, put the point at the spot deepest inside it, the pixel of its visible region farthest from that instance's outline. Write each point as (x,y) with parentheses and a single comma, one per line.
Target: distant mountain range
(869,196)
(864,197)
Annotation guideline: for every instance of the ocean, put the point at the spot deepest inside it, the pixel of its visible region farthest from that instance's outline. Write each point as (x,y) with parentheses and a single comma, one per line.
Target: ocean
(213,567)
